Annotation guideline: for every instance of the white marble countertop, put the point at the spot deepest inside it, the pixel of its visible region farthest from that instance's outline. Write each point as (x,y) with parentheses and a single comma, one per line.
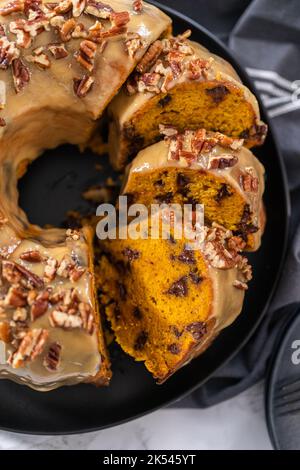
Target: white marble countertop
(238,423)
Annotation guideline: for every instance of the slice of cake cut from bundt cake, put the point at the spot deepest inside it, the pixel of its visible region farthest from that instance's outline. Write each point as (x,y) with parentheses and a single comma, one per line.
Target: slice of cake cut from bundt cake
(200,167)
(50,330)
(167,303)
(181,83)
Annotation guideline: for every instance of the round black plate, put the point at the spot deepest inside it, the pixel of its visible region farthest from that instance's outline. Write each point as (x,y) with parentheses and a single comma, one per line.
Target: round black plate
(53,185)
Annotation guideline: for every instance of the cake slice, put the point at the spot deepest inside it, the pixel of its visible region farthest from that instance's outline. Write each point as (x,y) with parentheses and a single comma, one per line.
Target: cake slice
(50,329)
(201,167)
(178,82)
(167,303)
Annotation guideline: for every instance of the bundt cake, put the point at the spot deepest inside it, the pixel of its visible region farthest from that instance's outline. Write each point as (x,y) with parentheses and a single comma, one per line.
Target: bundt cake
(202,167)
(180,83)
(166,302)
(60,65)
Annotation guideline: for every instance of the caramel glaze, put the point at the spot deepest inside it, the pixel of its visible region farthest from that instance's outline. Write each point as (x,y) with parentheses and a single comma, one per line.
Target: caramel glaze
(45,113)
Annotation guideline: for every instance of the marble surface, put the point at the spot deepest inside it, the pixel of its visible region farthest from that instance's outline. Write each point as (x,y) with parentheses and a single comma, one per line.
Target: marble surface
(238,423)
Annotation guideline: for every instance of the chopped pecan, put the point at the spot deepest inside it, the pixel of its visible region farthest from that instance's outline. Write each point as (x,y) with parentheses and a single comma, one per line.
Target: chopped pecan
(133,43)
(20,314)
(65,266)
(41,60)
(76,273)
(64,320)
(168,131)
(14,273)
(79,31)
(52,359)
(98,9)
(67,29)
(83,85)
(23,37)
(39,305)
(86,54)
(240,285)
(73,234)
(2,122)
(2,94)
(236,244)
(137,6)
(12,7)
(15,297)
(59,51)
(63,7)
(5,332)
(50,269)
(2,30)
(114,31)
(8,52)
(219,162)
(21,74)
(57,21)
(120,19)
(87,317)
(198,68)
(149,82)
(32,256)
(150,57)
(32,9)
(249,181)
(30,347)
(78,7)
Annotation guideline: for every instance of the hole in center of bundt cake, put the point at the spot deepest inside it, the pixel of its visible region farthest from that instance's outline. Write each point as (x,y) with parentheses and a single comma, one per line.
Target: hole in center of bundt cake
(53,185)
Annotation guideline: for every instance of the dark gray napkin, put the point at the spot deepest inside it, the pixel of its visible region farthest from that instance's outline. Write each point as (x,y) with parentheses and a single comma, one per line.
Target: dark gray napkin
(265,36)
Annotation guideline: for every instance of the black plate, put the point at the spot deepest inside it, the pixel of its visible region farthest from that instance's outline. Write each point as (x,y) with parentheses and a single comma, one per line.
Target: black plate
(53,185)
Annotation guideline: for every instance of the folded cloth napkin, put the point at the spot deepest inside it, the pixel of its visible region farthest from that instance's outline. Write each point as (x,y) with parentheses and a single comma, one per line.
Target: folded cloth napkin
(265,36)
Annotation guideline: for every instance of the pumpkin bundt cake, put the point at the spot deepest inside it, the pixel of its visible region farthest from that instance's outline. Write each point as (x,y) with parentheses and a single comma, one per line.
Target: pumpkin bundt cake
(180,83)
(201,167)
(60,65)
(165,302)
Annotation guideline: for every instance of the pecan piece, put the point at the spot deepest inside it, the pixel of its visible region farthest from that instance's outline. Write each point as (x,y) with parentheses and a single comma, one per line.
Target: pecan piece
(120,19)
(20,314)
(99,9)
(87,317)
(30,347)
(23,37)
(8,52)
(5,332)
(32,256)
(2,122)
(15,297)
(240,285)
(12,7)
(137,6)
(41,60)
(50,269)
(249,182)
(76,273)
(67,29)
(63,6)
(57,21)
(222,161)
(21,74)
(15,273)
(83,85)
(133,43)
(59,51)
(64,320)
(78,7)
(39,305)
(150,57)
(73,234)
(79,32)
(52,359)
(86,54)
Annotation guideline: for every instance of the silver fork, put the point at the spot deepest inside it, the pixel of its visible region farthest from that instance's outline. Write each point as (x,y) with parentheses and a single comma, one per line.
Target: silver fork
(287,398)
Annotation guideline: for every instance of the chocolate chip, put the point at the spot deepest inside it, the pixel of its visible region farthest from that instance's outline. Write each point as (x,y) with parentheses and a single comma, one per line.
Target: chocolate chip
(122,291)
(179,288)
(187,257)
(174,348)
(197,329)
(222,193)
(131,254)
(195,278)
(140,341)
(165,100)
(217,93)
(246,214)
(182,180)
(159,183)
(137,313)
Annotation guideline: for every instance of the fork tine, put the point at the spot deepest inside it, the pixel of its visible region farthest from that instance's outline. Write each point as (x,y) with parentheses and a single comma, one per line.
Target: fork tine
(285,394)
(291,401)
(294,411)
